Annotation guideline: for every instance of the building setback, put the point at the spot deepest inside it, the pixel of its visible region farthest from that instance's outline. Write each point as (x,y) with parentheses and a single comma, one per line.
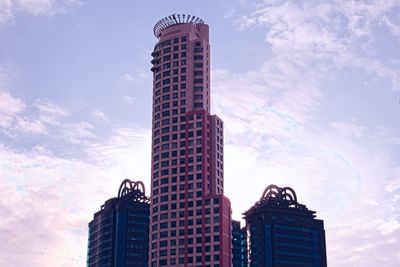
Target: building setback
(119,232)
(190,216)
(239,245)
(283,232)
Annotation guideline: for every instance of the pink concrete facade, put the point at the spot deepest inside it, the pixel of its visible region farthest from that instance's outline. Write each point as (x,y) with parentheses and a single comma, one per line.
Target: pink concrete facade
(190,222)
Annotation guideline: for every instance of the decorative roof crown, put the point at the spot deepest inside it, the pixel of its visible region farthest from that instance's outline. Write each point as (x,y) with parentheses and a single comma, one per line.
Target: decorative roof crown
(279,196)
(133,189)
(175,19)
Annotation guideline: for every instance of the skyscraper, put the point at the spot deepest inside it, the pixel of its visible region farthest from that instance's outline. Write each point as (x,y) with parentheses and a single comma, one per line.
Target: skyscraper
(282,232)
(239,245)
(119,232)
(190,216)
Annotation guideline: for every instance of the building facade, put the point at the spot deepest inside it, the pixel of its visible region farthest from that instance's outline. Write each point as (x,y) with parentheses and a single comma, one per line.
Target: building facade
(282,232)
(190,216)
(239,245)
(119,232)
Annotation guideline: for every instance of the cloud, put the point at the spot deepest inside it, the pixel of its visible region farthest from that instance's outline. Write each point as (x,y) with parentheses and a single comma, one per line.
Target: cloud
(47,106)
(6,13)
(78,133)
(30,126)
(16,116)
(49,112)
(275,124)
(128,99)
(127,77)
(10,107)
(9,8)
(50,199)
(348,129)
(98,114)
(334,33)
(136,76)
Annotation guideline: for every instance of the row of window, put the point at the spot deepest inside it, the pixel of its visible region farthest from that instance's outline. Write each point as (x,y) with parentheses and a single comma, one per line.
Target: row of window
(183,205)
(199,249)
(166,91)
(182,178)
(181,241)
(169,42)
(168,49)
(173,197)
(190,250)
(181,232)
(173,262)
(183,214)
(174,145)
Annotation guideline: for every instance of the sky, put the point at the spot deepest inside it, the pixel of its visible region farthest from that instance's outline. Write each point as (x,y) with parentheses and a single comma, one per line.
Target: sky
(308,90)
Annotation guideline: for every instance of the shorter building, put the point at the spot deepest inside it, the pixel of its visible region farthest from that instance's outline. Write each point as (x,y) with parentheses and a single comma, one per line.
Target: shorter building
(283,232)
(239,245)
(119,232)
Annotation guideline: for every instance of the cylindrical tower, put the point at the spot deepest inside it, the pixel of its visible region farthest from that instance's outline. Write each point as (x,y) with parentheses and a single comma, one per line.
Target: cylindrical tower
(190,216)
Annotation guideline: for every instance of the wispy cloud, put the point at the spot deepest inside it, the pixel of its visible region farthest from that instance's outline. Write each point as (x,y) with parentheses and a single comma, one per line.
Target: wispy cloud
(8,8)
(348,129)
(275,128)
(98,114)
(47,106)
(128,99)
(50,199)
(10,107)
(30,126)
(78,133)
(49,112)
(135,76)
(338,33)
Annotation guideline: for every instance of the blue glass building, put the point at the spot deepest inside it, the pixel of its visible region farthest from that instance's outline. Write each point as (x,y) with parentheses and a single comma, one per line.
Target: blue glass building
(119,232)
(239,245)
(284,233)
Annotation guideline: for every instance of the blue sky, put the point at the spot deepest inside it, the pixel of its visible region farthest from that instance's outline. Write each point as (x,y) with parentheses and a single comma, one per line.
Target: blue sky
(308,90)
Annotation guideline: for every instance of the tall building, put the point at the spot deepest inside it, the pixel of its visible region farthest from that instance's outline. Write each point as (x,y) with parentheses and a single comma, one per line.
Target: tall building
(190,216)
(239,245)
(119,232)
(283,232)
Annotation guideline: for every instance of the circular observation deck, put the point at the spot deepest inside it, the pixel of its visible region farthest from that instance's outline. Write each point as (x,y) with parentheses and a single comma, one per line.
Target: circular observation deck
(175,19)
